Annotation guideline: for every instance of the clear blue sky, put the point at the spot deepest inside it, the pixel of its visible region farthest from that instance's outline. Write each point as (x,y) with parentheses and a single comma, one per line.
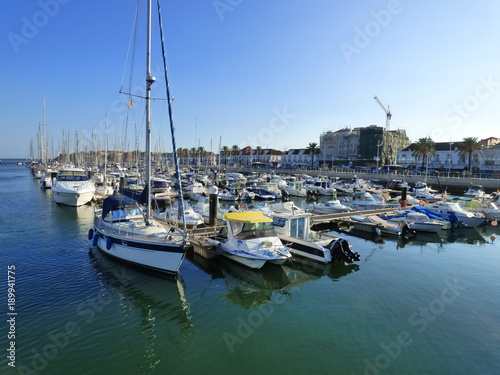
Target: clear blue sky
(254,72)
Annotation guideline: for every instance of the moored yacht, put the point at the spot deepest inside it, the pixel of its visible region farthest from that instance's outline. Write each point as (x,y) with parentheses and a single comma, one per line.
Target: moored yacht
(249,238)
(72,187)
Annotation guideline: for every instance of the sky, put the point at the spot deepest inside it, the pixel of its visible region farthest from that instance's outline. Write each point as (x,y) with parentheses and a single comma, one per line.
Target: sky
(269,73)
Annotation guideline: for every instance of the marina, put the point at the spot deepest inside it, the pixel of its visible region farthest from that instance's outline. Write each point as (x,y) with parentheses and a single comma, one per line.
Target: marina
(422,304)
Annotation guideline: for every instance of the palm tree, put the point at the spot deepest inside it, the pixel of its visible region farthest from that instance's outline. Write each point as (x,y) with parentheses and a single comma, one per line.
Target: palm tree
(423,148)
(193,154)
(225,151)
(235,150)
(259,150)
(469,146)
(314,149)
(201,154)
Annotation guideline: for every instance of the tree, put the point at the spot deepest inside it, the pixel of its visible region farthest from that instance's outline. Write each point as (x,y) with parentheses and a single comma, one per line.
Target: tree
(424,148)
(201,154)
(313,149)
(469,147)
(225,151)
(258,149)
(235,151)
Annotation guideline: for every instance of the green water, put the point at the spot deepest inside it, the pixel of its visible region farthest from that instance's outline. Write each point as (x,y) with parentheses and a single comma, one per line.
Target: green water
(430,306)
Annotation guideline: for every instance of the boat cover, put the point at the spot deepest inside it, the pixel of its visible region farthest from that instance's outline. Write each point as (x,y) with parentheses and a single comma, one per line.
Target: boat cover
(115,203)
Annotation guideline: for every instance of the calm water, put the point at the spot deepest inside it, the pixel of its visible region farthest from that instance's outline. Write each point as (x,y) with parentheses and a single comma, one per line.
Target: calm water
(431,306)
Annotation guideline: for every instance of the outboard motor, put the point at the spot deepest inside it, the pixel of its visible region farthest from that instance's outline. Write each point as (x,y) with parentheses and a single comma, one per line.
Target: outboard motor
(341,250)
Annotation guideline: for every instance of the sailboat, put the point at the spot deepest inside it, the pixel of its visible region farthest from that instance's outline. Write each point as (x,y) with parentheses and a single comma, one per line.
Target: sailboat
(126,230)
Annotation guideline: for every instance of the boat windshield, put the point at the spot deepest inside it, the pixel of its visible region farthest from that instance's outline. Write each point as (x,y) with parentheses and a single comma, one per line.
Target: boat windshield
(73,176)
(245,231)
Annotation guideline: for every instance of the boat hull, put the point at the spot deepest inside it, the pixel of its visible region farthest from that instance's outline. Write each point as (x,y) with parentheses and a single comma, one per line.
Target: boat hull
(161,256)
(72,198)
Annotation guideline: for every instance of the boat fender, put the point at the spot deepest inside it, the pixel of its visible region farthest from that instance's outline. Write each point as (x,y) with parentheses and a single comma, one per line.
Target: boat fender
(378,231)
(109,243)
(91,233)
(94,240)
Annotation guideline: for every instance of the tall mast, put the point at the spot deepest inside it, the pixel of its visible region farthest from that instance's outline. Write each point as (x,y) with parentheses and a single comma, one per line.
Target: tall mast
(149,81)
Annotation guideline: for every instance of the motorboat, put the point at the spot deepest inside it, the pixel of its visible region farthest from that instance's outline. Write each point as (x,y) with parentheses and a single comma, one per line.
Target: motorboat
(454,212)
(249,238)
(72,187)
(377,225)
(363,200)
(476,191)
(294,189)
(328,207)
(121,231)
(322,187)
(171,214)
(196,191)
(417,221)
(294,231)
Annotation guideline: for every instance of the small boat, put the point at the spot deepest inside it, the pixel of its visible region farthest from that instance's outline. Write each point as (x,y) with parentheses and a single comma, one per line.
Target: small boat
(249,238)
(416,221)
(294,189)
(476,191)
(171,214)
(454,212)
(294,231)
(322,187)
(72,187)
(377,225)
(365,201)
(328,207)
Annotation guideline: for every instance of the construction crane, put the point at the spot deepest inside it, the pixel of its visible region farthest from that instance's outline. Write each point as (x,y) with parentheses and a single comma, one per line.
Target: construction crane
(387,112)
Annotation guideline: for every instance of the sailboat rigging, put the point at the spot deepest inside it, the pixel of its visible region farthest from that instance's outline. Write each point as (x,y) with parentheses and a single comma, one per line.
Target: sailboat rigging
(124,229)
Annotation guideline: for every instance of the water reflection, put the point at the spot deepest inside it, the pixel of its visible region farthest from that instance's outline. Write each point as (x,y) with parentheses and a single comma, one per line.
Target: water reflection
(250,288)
(160,302)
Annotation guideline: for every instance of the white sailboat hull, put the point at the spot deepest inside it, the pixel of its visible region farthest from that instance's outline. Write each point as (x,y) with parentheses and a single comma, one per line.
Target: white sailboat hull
(162,256)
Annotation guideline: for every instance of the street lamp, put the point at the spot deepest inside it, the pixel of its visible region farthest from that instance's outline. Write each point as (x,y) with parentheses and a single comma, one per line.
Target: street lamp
(379,143)
(449,166)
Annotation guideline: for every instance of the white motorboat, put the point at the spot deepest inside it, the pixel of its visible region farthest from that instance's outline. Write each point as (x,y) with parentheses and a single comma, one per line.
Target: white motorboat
(48,177)
(366,201)
(72,187)
(295,189)
(454,212)
(124,231)
(196,191)
(294,231)
(322,187)
(476,191)
(249,238)
(328,207)
(172,215)
(378,225)
(417,221)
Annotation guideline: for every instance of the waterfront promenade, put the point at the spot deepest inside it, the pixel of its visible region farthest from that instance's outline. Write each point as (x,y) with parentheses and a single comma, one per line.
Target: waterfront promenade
(436,181)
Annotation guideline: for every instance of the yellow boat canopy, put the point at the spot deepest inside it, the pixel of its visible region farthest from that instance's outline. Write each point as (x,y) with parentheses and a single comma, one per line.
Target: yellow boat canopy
(248,217)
